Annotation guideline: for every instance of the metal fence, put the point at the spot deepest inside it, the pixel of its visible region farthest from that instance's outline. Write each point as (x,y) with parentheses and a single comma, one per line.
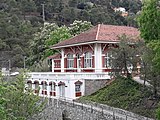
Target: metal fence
(83,111)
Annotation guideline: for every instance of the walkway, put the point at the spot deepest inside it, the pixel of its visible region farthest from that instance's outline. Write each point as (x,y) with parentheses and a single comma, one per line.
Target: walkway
(140,81)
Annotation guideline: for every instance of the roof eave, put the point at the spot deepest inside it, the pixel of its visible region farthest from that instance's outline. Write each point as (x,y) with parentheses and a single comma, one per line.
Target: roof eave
(84,43)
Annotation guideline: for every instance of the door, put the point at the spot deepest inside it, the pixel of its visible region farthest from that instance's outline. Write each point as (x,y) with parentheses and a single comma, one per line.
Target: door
(62,91)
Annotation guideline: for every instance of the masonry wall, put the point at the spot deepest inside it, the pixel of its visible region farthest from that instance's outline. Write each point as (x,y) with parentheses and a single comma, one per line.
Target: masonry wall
(92,86)
(64,110)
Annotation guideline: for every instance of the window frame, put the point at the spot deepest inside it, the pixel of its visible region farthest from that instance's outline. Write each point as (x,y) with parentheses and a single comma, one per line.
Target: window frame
(53,86)
(44,85)
(108,59)
(88,60)
(70,61)
(79,88)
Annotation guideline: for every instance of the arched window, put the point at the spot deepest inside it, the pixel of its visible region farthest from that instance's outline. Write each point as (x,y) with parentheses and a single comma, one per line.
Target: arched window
(29,83)
(88,60)
(70,61)
(44,85)
(78,90)
(52,86)
(109,57)
(36,86)
(61,89)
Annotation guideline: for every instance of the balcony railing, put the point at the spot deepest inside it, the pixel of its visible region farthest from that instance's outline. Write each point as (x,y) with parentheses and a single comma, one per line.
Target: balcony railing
(67,75)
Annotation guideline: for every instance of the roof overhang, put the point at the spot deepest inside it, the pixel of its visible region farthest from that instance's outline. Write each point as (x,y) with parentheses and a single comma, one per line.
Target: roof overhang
(85,43)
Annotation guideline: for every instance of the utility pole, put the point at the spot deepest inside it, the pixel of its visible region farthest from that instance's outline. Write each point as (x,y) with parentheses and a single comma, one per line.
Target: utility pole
(43,13)
(24,60)
(9,65)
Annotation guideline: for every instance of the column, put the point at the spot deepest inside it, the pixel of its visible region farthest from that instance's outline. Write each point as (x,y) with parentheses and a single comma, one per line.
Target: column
(98,58)
(75,63)
(48,89)
(93,62)
(103,62)
(82,61)
(62,60)
(52,65)
(65,63)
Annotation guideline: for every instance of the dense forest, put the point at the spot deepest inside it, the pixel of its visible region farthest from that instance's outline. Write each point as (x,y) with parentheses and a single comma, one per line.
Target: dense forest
(21,19)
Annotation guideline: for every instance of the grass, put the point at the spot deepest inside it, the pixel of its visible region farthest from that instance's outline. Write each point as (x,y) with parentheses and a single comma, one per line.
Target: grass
(126,94)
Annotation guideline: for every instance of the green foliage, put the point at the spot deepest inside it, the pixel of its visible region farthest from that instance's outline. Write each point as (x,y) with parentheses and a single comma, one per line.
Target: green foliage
(150,29)
(123,93)
(158,113)
(18,103)
(59,34)
(41,66)
(38,45)
(149,20)
(125,56)
(51,34)
(20,20)
(154,45)
(78,27)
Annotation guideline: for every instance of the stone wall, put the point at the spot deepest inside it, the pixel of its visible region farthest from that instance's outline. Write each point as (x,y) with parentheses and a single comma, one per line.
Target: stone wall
(92,86)
(70,110)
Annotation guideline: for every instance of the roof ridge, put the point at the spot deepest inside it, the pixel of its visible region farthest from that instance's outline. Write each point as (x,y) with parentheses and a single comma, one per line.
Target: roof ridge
(98,31)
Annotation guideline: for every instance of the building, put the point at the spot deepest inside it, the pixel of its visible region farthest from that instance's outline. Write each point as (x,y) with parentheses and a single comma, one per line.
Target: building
(122,10)
(82,64)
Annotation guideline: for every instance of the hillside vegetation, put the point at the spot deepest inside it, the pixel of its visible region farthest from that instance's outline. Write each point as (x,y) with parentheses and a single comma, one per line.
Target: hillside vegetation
(21,19)
(125,94)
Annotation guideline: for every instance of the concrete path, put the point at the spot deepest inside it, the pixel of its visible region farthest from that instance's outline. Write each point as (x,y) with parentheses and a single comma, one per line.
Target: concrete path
(140,81)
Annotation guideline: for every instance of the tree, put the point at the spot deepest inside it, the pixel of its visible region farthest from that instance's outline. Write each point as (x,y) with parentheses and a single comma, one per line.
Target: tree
(17,101)
(124,56)
(150,29)
(51,34)
(38,45)
(78,27)
(58,35)
(149,20)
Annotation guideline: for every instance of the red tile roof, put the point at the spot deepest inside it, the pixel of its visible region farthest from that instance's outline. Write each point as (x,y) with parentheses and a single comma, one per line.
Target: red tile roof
(102,33)
(55,56)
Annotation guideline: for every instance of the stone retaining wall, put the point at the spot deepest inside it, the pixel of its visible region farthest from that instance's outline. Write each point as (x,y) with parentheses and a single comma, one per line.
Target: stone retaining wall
(71,110)
(91,86)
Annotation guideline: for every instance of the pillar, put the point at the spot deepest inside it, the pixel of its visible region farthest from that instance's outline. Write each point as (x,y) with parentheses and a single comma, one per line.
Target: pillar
(75,63)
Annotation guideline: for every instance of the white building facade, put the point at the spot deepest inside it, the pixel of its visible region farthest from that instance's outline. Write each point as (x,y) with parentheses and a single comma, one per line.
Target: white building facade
(83,63)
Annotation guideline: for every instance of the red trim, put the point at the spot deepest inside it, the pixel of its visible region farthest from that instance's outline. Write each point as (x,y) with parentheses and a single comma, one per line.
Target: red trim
(36,91)
(55,56)
(29,81)
(78,94)
(61,83)
(57,70)
(44,92)
(93,62)
(44,82)
(57,63)
(65,63)
(103,64)
(88,70)
(78,82)
(70,70)
(75,63)
(52,93)
(51,83)
(82,62)
(107,70)
(36,82)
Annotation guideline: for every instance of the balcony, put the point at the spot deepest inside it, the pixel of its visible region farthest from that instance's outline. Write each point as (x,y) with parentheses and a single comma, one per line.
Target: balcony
(67,75)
